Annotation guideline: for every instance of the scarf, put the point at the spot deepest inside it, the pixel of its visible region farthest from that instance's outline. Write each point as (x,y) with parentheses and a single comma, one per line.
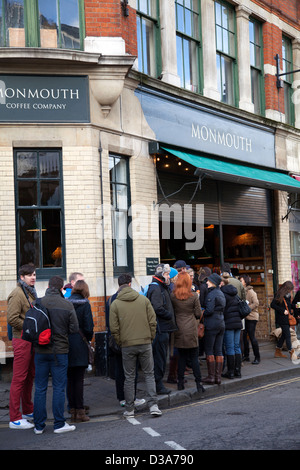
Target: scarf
(30,289)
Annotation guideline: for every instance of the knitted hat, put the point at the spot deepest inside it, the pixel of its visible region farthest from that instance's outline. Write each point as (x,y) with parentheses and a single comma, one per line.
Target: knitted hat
(173,273)
(215,279)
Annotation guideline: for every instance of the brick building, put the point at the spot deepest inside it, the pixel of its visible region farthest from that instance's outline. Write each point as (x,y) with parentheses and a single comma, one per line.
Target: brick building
(109,109)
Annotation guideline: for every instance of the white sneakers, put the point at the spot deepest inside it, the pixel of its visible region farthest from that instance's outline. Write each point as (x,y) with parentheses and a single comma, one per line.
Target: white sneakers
(66,428)
(137,402)
(24,424)
(20,424)
(155,411)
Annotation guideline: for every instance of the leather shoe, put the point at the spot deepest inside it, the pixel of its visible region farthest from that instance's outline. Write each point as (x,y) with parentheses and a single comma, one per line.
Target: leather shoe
(256,361)
(164,391)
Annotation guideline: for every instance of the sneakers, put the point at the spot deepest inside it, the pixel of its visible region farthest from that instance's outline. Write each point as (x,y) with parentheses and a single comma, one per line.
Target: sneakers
(155,411)
(65,428)
(38,431)
(21,424)
(128,414)
(139,401)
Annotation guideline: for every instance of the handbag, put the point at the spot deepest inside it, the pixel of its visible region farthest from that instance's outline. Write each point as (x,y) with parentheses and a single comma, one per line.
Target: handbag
(244,308)
(90,348)
(113,345)
(292,319)
(200,330)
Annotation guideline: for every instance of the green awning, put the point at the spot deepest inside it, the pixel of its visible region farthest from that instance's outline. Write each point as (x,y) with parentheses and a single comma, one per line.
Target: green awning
(238,173)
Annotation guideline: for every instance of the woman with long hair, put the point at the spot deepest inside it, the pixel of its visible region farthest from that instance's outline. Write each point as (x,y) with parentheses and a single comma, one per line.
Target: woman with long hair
(251,320)
(187,311)
(78,350)
(282,304)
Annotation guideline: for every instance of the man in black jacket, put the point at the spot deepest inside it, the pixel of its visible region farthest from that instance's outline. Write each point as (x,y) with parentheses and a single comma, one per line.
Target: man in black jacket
(54,358)
(159,296)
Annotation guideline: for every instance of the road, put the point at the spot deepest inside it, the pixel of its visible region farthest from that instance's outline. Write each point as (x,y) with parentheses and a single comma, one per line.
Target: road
(262,418)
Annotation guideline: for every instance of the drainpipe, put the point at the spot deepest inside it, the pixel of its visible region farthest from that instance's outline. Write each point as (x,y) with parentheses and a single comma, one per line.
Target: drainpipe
(102,344)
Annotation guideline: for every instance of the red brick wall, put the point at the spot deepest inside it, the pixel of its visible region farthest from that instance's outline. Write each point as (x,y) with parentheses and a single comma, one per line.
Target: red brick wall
(106,18)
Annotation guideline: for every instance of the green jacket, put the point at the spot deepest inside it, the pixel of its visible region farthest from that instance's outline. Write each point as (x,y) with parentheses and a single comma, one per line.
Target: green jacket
(132,320)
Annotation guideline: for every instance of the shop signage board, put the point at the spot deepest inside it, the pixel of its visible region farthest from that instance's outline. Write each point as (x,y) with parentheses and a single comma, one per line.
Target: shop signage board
(194,127)
(151,264)
(44,98)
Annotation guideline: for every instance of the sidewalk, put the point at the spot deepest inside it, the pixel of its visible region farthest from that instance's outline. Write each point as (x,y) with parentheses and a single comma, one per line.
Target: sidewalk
(100,394)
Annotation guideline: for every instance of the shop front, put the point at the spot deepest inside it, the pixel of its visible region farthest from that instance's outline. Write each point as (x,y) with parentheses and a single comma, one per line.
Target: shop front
(227,166)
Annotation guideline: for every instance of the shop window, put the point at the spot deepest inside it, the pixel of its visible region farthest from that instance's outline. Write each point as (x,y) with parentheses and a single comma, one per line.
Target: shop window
(188,43)
(148,37)
(256,65)
(120,204)
(295,258)
(42,23)
(39,211)
(226,52)
(287,66)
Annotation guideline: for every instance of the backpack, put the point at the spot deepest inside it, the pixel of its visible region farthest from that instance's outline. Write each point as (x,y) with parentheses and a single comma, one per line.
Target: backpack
(144,290)
(36,326)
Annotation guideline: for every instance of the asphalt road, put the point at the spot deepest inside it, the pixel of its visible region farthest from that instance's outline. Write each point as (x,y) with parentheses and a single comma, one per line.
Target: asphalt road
(262,418)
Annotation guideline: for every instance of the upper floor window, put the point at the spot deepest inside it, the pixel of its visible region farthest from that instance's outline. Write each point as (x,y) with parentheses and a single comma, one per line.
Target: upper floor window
(256,65)
(287,66)
(188,43)
(148,37)
(226,52)
(39,210)
(42,23)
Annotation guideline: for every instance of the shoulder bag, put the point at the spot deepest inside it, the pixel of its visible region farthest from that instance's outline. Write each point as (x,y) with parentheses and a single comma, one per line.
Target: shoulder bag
(292,319)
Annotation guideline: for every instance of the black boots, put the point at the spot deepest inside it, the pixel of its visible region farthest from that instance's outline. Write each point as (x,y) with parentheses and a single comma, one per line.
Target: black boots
(230,367)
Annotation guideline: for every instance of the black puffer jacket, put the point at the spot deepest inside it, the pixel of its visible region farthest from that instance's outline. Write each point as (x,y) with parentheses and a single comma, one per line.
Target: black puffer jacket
(78,352)
(231,313)
(214,305)
(159,296)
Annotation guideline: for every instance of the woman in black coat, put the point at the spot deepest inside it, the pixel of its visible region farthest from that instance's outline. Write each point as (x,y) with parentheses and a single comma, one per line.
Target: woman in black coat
(282,305)
(233,326)
(78,350)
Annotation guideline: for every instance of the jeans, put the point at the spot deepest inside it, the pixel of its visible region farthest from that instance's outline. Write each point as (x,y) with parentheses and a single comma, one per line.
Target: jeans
(58,366)
(130,355)
(213,340)
(250,326)
(22,381)
(286,336)
(160,347)
(232,340)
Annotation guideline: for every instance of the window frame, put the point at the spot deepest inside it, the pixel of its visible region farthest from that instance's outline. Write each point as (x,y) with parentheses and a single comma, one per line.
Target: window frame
(157,41)
(32,25)
(118,270)
(258,69)
(194,38)
(231,55)
(42,273)
(287,66)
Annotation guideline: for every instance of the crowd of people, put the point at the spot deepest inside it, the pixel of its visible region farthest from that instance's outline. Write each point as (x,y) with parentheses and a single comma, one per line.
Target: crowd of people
(146,329)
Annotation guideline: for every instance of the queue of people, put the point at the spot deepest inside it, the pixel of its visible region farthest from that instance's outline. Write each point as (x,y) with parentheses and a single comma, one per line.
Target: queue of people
(147,328)
(65,358)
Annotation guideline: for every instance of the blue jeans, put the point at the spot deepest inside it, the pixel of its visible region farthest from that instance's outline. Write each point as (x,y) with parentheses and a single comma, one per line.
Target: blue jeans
(232,340)
(58,367)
